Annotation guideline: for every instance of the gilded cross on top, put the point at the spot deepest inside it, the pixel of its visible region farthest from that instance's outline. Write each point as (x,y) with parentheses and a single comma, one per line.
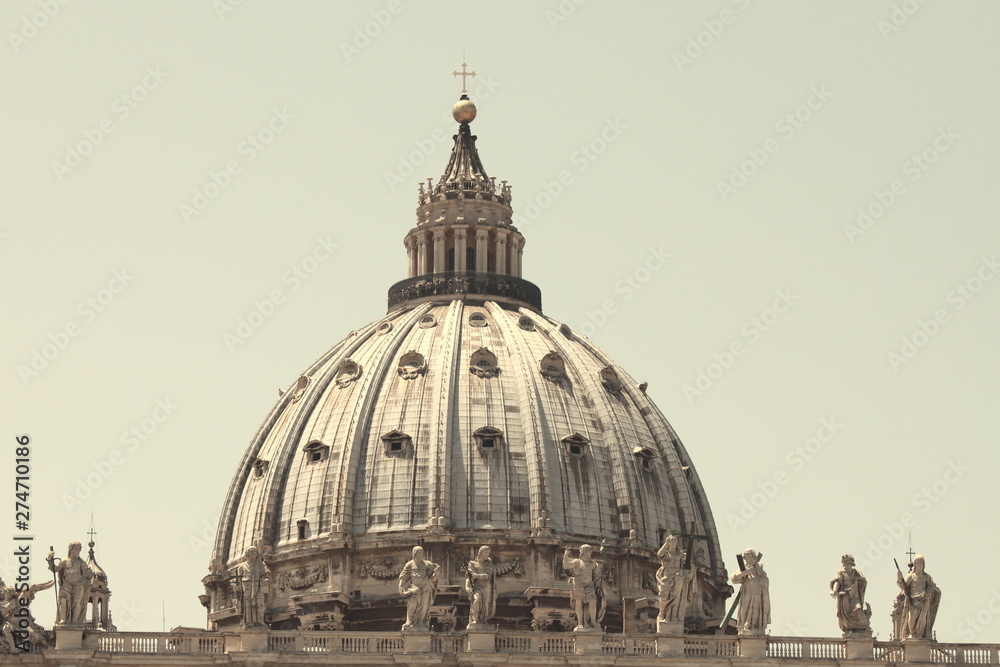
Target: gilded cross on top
(463,74)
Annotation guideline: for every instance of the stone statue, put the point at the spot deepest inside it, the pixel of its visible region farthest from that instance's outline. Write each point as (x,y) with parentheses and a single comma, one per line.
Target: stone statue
(921,598)
(19,630)
(755,598)
(418,583)
(481,585)
(252,580)
(75,577)
(848,588)
(670,580)
(586,589)
(897,617)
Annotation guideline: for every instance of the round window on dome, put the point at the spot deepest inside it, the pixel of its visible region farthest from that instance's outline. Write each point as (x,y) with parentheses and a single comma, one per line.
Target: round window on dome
(477,320)
(384,328)
(526,323)
(411,365)
(427,321)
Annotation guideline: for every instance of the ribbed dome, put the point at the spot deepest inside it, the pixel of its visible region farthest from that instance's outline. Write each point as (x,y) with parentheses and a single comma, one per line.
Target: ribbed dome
(464,417)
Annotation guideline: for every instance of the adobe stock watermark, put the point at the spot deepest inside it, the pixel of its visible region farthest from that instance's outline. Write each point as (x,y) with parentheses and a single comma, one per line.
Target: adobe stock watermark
(34,23)
(407,163)
(957,298)
(786,127)
(900,15)
(246,152)
(625,289)
(974,625)
(795,459)
(131,439)
(705,38)
(120,110)
(581,160)
(750,332)
(225,7)
(86,311)
(923,501)
(562,12)
(913,168)
(370,30)
(203,541)
(264,308)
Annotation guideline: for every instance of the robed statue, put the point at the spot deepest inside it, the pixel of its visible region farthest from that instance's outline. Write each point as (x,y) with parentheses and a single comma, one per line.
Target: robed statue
(921,598)
(755,597)
(74,577)
(848,589)
(252,582)
(418,584)
(670,580)
(481,585)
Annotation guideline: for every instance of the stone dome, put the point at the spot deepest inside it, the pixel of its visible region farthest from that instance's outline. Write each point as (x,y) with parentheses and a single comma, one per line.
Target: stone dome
(463,417)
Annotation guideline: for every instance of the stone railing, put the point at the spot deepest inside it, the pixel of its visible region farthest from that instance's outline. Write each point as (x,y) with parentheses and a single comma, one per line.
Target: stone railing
(514,642)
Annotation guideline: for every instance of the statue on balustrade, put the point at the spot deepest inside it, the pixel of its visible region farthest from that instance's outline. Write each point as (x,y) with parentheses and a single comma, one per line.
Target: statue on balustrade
(252,583)
(670,580)
(418,584)
(74,577)
(481,585)
(848,589)
(586,586)
(921,598)
(755,598)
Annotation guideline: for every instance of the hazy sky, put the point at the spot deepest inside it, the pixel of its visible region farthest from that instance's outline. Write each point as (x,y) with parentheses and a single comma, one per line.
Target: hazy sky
(823,335)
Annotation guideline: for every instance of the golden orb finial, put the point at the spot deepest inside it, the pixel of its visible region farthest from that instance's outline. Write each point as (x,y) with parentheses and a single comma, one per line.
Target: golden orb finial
(464,110)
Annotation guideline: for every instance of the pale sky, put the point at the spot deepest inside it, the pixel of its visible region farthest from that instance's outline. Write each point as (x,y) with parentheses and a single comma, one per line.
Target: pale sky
(809,184)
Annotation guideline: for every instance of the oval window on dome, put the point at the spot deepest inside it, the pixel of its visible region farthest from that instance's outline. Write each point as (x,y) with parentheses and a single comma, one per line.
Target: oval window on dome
(645,457)
(552,367)
(427,321)
(477,320)
(411,365)
(259,467)
(300,388)
(483,363)
(347,373)
(526,323)
(383,328)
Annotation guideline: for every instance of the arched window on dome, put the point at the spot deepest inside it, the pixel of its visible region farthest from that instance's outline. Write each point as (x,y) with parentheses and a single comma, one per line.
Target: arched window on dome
(645,457)
(576,444)
(316,451)
(259,467)
(488,439)
(397,443)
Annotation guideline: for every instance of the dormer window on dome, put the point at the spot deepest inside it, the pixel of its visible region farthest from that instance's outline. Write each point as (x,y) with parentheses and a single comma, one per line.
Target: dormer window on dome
(259,467)
(397,443)
(488,439)
(576,444)
(316,451)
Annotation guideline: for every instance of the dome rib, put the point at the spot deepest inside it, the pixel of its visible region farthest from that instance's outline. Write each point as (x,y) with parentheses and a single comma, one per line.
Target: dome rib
(539,500)
(624,487)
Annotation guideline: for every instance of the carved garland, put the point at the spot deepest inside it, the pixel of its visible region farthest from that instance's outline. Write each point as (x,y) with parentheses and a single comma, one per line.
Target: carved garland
(302,577)
(387,568)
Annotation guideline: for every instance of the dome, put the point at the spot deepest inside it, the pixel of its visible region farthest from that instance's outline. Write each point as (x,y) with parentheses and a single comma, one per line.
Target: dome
(464,417)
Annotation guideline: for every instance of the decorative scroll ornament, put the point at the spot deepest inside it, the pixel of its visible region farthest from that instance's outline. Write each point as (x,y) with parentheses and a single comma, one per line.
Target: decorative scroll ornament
(302,578)
(515,566)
